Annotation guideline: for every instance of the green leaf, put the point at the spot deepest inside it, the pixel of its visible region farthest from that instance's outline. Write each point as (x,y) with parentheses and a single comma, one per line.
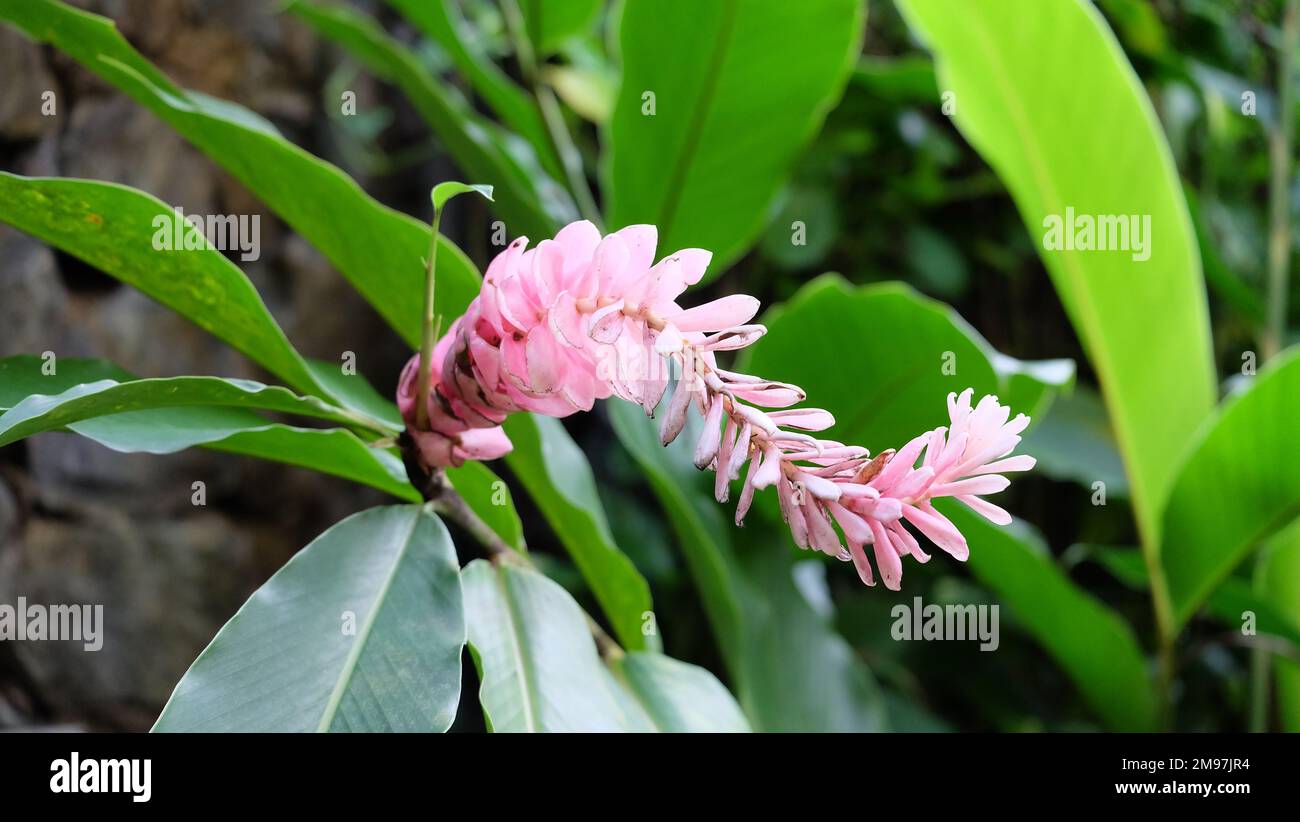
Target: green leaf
(1010,67)
(739,89)
(890,391)
(42,412)
(1238,486)
(113,227)
(1229,601)
(376,248)
(490,498)
(1074,442)
(443,192)
(792,671)
(441,22)
(883,401)
(558,478)
(1086,638)
(361,631)
(527,203)
(540,671)
(551,22)
(233,430)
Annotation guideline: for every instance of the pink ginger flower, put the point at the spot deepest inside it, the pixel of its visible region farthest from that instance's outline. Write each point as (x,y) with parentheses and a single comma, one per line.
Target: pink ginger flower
(581,318)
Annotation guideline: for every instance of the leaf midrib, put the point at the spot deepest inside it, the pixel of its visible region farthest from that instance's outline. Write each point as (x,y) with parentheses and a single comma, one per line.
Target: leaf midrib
(350,663)
(695,125)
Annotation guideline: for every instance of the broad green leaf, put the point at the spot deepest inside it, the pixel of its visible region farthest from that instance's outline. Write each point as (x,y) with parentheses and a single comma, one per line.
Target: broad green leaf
(792,671)
(1238,486)
(239,431)
(883,359)
(234,430)
(361,631)
(113,227)
(1074,442)
(525,201)
(1227,604)
(1014,69)
(1281,575)
(376,248)
(539,669)
(717,101)
(1089,640)
(551,22)
(557,476)
(490,498)
(881,399)
(677,697)
(352,390)
(45,412)
(441,22)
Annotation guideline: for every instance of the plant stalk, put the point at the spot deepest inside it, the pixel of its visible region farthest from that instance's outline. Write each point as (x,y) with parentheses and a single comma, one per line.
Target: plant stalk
(428,331)
(439,492)
(1273,338)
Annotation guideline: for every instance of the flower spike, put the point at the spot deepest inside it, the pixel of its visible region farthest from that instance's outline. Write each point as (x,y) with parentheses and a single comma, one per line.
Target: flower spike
(584,317)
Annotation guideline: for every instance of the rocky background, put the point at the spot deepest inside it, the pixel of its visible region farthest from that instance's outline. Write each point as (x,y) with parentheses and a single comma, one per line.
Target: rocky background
(82,524)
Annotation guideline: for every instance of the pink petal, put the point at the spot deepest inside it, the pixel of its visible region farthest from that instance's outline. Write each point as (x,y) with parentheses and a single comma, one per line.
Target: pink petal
(991,512)
(724,312)
(641,241)
(807,419)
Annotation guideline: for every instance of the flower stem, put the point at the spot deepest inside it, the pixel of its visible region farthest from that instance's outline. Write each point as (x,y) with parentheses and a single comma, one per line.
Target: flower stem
(427,337)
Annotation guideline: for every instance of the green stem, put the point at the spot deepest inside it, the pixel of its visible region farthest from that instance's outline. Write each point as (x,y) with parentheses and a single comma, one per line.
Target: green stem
(552,117)
(1279,145)
(428,332)
(1273,337)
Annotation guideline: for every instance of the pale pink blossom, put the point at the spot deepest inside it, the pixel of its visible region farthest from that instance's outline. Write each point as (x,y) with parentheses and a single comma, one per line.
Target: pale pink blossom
(581,318)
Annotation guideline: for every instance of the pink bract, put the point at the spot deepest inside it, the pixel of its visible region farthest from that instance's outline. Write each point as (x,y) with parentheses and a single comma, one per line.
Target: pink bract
(581,318)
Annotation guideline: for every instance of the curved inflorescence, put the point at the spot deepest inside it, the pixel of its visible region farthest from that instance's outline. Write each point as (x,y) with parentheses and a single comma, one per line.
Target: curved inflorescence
(581,318)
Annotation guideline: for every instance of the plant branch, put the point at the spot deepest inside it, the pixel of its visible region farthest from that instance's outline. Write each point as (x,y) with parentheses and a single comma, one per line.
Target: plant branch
(438,492)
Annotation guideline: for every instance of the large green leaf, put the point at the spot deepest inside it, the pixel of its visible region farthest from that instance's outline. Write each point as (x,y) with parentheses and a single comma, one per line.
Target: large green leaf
(376,248)
(540,671)
(1090,641)
(1014,69)
(1238,486)
(442,23)
(896,389)
(883,359)
(740,87)
(530,203)
(234,430)
(551,22)
(792,671)
(1233,598)
(558,478)
(361,631)
(490,498)
(47,412)
(112,227)
(1074,442)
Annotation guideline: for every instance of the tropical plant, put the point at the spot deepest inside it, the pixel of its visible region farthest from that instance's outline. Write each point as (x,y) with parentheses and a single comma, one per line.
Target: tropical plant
(711,110)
